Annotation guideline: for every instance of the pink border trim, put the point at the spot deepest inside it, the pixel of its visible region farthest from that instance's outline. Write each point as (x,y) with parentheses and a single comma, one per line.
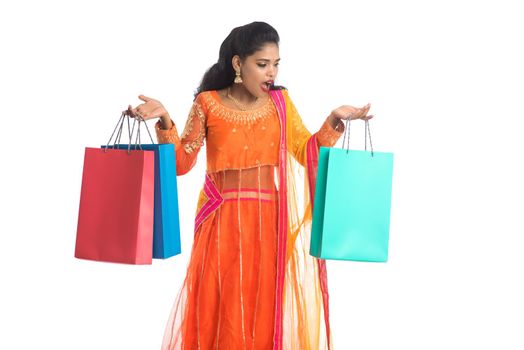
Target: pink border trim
(312,165)
(249,199)
(248,190)
(213,202)
(312,169)
(278,99)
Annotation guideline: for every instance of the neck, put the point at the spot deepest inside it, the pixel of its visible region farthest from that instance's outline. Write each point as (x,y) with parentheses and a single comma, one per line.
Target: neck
(240,93)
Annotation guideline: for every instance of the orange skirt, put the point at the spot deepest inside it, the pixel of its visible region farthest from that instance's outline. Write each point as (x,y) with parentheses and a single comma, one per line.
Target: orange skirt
(228,297)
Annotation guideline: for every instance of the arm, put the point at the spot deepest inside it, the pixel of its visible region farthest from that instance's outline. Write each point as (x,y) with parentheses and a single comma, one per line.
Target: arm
(327,136)
(189,143)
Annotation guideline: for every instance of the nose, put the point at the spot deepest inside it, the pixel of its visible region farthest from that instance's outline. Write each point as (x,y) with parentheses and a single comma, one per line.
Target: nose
(272,71)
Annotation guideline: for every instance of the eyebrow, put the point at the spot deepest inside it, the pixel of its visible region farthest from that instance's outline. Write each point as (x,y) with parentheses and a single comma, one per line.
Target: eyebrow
(267,60)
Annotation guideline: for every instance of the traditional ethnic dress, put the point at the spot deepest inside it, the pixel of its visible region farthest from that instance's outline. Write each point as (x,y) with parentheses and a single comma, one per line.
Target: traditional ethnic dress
(250,283)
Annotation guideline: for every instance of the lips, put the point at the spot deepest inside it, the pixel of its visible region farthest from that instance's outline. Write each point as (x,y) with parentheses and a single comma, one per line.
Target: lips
(266,86)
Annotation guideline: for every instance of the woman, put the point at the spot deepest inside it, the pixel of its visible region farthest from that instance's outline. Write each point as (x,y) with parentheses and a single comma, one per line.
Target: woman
(250,283)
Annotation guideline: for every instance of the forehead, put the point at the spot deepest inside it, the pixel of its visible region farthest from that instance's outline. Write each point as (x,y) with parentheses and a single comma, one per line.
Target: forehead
(269,51)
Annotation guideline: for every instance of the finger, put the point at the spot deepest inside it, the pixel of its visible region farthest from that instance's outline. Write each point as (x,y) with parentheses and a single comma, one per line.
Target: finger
(362,112)
(357,113)
(368,117)
(131,111)
(136,113)
(144,98)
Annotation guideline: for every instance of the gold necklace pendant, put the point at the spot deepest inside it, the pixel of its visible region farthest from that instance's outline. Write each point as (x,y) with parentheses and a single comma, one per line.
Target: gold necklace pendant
(241,106)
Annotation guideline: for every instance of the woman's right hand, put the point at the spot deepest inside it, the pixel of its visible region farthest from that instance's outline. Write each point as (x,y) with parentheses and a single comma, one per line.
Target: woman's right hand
(150,109)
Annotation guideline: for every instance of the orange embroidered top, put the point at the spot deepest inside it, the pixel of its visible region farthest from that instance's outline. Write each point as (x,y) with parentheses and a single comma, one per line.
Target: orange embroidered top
(239,139)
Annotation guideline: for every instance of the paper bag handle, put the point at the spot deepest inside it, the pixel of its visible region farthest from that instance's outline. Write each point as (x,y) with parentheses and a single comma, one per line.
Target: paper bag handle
(367,132)
(131,132)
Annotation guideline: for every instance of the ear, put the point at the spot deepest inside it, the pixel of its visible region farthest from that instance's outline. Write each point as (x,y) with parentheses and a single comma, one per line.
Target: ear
(235,61)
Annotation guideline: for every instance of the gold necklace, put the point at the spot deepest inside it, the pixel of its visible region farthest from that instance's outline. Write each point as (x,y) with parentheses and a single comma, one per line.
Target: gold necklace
(241,106)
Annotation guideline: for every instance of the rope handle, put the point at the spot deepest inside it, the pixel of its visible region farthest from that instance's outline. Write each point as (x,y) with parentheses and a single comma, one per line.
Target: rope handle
(367,131)
(119,128)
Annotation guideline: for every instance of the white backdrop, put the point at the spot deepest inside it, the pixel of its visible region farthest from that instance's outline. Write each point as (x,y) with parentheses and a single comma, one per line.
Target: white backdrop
(445,80)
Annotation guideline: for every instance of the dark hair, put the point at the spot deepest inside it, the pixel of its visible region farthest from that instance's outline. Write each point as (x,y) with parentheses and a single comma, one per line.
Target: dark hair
(242,41)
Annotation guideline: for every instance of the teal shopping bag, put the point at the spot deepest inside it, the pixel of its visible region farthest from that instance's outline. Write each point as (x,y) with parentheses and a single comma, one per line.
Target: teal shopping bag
(351,212)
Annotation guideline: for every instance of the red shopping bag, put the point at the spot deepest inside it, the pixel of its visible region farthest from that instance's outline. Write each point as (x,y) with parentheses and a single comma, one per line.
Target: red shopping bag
(115,220)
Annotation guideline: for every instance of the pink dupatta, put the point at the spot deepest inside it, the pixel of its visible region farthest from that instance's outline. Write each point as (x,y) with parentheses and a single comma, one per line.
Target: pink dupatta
(283,224)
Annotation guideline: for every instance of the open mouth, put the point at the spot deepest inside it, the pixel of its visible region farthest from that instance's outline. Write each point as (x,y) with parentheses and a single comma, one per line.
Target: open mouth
(266,86)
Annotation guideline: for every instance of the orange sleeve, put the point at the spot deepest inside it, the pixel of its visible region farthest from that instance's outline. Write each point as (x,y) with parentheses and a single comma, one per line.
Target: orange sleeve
(298,134)
(328,136)
(189,143)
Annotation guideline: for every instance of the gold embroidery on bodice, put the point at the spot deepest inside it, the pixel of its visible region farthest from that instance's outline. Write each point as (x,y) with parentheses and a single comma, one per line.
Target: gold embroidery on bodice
(237,116)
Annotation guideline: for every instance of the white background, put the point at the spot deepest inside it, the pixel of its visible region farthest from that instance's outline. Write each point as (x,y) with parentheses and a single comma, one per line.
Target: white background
(445,80)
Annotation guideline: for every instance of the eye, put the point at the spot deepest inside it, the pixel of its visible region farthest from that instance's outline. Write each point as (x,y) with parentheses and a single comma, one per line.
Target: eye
(262,65)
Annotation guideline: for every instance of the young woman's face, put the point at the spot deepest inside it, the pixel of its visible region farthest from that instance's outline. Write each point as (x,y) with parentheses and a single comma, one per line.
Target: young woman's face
(260,70)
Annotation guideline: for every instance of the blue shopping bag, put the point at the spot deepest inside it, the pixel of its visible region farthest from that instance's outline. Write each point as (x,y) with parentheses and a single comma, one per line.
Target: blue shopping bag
(351,212)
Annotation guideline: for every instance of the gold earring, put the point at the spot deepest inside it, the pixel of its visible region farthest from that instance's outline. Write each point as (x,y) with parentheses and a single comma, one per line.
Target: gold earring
(238,78)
